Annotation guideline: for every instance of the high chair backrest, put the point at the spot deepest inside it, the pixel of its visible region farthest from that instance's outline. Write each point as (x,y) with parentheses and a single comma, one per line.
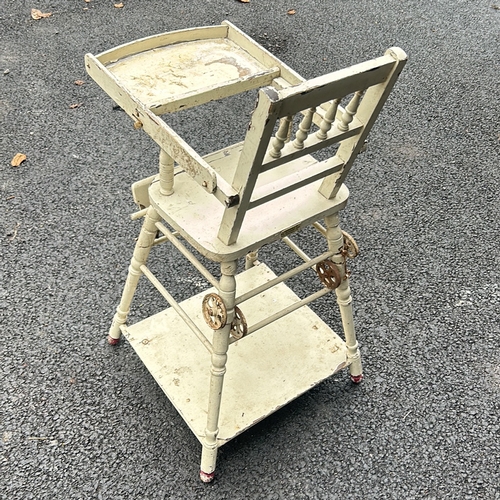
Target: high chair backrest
(263,172)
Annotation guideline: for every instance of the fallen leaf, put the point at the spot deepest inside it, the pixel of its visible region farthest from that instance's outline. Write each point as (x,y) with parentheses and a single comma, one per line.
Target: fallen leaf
(18,159)
(291,12)
(119,5)
(245,1)
(13,234)
(38,14)
(79,82)
(73,106)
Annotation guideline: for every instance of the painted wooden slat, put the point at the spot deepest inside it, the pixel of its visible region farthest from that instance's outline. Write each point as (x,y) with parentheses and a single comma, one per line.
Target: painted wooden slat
(254,148)
(161,40)
(295,181)
(214,92)
(333,85)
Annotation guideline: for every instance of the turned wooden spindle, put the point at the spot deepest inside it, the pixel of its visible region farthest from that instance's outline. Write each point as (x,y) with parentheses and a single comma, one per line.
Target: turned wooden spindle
(166,173)
(304,128)
(282,135)
(350,111)
(328,119)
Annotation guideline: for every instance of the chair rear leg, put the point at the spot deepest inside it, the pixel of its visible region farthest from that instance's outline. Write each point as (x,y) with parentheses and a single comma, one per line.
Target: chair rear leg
(139,258)
(344,299)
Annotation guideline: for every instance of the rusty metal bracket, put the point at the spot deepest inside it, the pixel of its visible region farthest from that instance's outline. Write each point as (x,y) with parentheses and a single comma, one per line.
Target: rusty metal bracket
(328,274)
(239,325)
(214,311)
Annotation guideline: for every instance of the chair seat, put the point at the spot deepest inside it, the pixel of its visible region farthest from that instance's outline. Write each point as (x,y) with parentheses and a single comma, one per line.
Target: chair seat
(197,214)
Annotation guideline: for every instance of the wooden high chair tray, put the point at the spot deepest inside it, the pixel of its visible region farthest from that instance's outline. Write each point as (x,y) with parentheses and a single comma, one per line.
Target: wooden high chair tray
(186,68)
(265,370)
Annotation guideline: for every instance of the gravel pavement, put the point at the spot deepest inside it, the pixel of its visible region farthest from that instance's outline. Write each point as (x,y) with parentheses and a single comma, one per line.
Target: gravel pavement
(82,420)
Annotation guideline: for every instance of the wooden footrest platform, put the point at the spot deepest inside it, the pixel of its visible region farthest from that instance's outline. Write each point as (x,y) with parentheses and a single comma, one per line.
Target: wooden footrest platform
(265,370)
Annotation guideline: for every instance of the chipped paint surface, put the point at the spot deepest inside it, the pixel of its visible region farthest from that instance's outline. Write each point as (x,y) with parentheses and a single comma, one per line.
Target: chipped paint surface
(183,68)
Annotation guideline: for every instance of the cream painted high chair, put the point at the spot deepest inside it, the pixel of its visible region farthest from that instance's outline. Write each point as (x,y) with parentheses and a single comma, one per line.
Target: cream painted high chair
(248,334)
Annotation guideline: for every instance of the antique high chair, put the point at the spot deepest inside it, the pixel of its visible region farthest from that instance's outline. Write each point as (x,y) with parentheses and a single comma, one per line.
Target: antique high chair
(249,330)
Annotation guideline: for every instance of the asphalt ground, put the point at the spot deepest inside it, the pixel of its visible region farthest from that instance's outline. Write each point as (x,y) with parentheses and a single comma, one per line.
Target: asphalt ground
(82,420)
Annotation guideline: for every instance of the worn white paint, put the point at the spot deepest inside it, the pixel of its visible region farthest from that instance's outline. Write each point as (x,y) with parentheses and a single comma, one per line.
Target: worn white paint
(228,204)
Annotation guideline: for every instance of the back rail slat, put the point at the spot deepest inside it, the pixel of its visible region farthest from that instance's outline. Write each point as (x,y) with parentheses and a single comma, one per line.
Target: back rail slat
(294,181)
(334,85)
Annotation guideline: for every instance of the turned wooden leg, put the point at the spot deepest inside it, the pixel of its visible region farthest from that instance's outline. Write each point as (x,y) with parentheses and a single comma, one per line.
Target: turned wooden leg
(227,291)
(335,240)
(141,253)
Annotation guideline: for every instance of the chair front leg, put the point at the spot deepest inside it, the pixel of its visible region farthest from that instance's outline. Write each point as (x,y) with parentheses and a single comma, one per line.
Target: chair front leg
(335,240)
(227,291)
(139,258)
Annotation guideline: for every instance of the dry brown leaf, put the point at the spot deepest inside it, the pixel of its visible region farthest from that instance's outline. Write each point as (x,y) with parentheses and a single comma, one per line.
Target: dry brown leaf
(73,106)
(18,159)
(12,235)
(79,82)
(38,14)
(291,12)
(119,5)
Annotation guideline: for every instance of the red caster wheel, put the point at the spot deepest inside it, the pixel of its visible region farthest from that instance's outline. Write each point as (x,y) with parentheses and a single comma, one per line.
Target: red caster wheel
(356,379)
(112,341)
(207,478)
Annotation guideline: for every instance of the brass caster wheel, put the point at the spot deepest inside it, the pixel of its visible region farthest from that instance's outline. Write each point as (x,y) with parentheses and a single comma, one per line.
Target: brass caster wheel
(238,325)
(214,311)
(351,249)
(328,274)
